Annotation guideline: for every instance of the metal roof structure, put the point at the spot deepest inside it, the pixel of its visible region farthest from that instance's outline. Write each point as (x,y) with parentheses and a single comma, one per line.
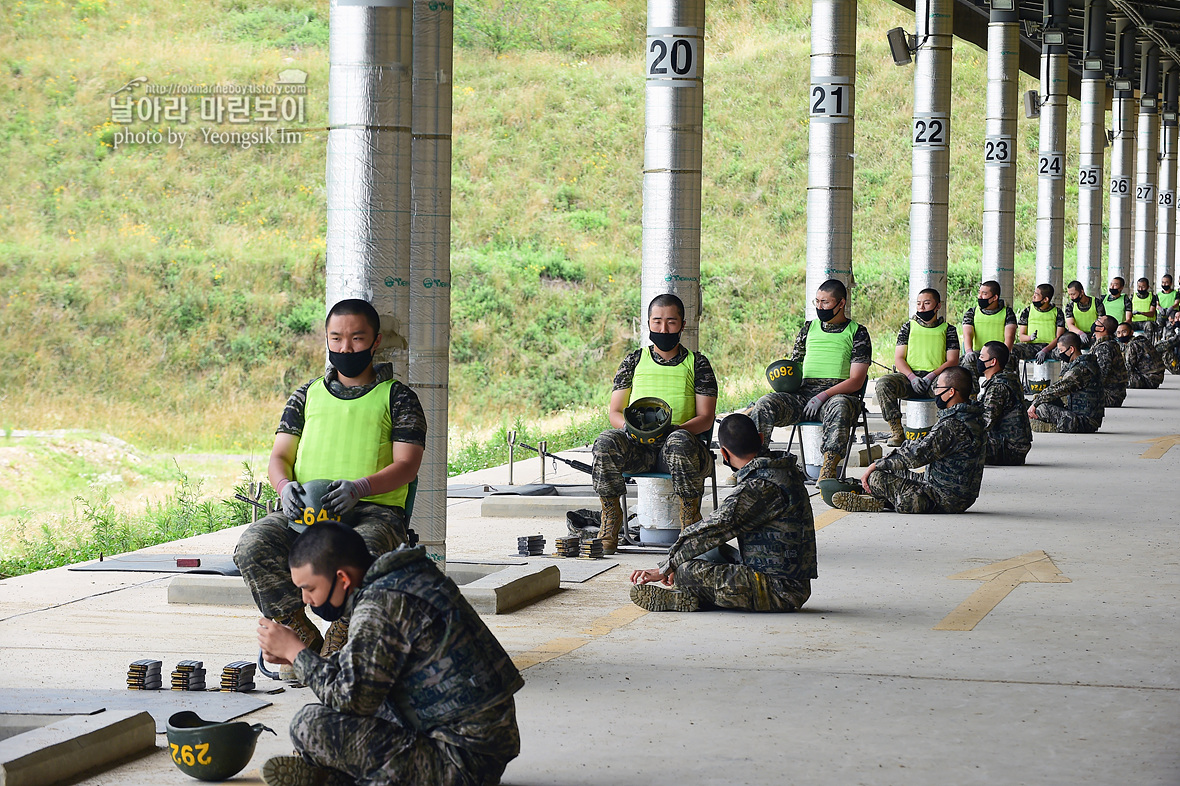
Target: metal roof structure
(1156,20)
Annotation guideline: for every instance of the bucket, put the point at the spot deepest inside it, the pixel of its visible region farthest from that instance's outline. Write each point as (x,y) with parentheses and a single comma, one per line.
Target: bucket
(657,511)
(920,415)
(1039,376)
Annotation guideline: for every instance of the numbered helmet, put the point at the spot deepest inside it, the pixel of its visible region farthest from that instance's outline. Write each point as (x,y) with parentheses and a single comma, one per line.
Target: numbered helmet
(829,486)
(211,751)
(648,419)
(785,376)
(311,503)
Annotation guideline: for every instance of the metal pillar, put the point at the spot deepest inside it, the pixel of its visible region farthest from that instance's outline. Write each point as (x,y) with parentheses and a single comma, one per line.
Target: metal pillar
(1051,164)
(430,260)
(929,207)
(1166,217)
(1146,164)
(672,158)
(368,177)
(999,148)
(1122,153)
(830,145)
(1091,183)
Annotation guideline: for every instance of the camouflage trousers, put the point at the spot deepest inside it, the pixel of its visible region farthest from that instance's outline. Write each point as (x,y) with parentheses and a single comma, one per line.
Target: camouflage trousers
(1000,453)
(375,751)
(1114,397)
(263,549)
(907,492)
(1066,420)
(1026,351)
(739,587)
(686,457)
(1137,381)
(891,390)
(1170,356)
(785,409)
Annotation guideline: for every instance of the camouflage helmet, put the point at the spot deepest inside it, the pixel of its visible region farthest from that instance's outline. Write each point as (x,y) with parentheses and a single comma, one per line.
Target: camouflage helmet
(310,500)
(648,419)
(785,376)
(210,751)
(829,486)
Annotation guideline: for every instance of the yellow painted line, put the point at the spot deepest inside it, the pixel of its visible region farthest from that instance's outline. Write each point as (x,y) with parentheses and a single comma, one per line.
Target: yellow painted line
(555,648)
(1159,446)
(828,516)
(999,578)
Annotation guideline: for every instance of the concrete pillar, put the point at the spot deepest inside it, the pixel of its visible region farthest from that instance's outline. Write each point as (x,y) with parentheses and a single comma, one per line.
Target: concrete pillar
(1122,154)
(830,145)
(931,146)
(1147,165)
(1051,161)
(430,260)
(1166,217)
(368,165)
(1091,148)
(999,147)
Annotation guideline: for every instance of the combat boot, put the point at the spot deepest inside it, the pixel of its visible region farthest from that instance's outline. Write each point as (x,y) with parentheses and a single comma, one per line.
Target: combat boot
(336,637)
(1043,426)
(857,503)
(612,522)
(830,468)
(896,434)
(690,511)
(656,598)
(296,771)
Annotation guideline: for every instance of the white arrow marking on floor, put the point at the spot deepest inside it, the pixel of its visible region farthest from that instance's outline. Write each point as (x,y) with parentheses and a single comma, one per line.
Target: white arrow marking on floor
(999,579)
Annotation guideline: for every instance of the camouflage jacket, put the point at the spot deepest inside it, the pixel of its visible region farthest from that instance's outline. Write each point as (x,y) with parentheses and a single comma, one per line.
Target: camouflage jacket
(1142,358)
(769,513)
(1109,355)
(1004,412)
(953,454)
(1081,381)
(416,650)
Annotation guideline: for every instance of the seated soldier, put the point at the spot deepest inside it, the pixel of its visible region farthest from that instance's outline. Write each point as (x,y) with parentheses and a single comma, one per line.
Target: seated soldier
(1143,308)
(1009,437)
(1040,325)
(420,693)
(684,379)
(1072,404)
(953,454)
(1117,304)
(1168,344)
(1109,355)
(993,321)
(356,426)
(836,353)
(926,346)
(1167,302)
(1080,312)
(1145,366)
(770,515)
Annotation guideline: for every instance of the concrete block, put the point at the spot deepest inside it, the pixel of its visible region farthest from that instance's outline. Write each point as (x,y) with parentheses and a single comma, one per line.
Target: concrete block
(207,590)
(72,745)
(511,587)
(516,507)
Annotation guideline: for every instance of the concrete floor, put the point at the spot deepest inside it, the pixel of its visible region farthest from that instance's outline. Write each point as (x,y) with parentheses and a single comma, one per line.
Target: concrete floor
(1061,683)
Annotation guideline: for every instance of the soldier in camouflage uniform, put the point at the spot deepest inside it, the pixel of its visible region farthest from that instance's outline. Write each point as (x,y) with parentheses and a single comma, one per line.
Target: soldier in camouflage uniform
(421,692)
(770,515)
(926,346)
(1009,436)
(1081,384)
(356,425)
(1109,355)
(953,454)
(1145,366)
(685,380)
(1168,344)
(836,353)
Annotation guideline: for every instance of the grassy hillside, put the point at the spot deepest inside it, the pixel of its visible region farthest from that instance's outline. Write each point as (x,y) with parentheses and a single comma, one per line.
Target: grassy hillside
(172,296)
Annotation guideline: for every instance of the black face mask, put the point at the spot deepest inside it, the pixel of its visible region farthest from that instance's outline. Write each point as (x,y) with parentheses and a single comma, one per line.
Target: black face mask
(328,612)
(940,402)
(1141,292)
(1123,339)
(981,367)
(1038,304)
(725,461)
(1115,292)
(825,314)
(1062,356)
(665,342)
(351,364)
(1167,288)
(984,302)
(1075,300)
(927,316)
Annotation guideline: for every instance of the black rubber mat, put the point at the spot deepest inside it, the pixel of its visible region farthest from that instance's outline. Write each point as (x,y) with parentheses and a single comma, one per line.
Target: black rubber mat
(220,564)
(161,704)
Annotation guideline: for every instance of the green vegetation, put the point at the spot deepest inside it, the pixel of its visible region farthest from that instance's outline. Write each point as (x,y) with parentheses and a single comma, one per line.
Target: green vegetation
(172,296)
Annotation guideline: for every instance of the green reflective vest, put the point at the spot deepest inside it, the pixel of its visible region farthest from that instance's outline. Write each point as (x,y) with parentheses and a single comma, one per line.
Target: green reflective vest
(347,439)
(927,348)
(1043,323)
(988,327)
(828,355)
(1141,304)
(1167,299)
(674,384)
(1116,307)
(1084,318)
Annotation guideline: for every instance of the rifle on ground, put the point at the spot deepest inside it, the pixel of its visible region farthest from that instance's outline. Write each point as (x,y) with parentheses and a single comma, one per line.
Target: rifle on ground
(578,465)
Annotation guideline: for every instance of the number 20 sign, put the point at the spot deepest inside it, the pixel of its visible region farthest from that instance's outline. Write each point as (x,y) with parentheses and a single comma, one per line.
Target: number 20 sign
(672,57)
